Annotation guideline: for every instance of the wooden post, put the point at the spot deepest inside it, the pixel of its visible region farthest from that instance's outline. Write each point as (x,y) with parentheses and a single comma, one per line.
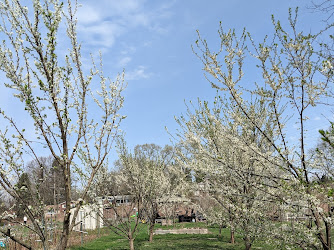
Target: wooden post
(81,233)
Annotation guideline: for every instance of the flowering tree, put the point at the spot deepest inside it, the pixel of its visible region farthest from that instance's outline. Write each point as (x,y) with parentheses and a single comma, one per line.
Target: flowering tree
(296,77)
(231,174)
(147,174)
(57,94)
(126,218)
(323,156)
(117,207)
(123,219)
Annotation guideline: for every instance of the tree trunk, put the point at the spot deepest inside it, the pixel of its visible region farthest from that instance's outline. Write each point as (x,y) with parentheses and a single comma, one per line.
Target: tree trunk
(325,244)
(151,231)
(66,223)
(220,230)
(323,238)
(131,242)
(45,247)
(174,208)
(65,234)
(328,235)
(232,240)
(248,244)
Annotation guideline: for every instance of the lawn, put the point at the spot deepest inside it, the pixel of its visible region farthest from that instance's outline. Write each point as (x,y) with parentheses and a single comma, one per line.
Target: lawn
(171,241)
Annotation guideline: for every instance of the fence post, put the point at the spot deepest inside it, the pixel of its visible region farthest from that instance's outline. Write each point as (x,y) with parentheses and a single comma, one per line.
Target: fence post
(81,233)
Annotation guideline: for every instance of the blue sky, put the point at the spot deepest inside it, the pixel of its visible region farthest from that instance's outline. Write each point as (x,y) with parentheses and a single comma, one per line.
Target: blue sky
(151,40)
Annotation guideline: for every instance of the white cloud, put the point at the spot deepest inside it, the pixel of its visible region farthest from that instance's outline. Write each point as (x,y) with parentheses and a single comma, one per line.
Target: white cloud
(124,61)
(101,34)
(138,73)
(121,8)
(147,43)
(88,15)
(128,49)
(100,23)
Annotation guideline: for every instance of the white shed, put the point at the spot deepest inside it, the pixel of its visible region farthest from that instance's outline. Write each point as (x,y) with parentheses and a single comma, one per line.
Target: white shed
(89,216)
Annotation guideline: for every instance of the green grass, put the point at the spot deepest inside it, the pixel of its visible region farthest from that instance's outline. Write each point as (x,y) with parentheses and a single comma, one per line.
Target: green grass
(171,241)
